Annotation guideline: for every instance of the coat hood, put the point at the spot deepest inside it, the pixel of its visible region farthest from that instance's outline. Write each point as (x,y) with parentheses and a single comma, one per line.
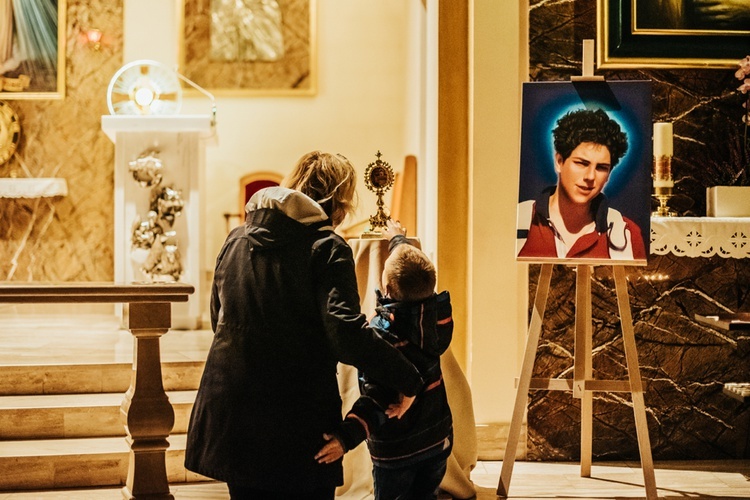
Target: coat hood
(293,204)
(419,322)
(277,215)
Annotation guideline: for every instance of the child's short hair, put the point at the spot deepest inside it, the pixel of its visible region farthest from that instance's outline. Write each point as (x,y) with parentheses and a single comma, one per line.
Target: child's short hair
(408,274)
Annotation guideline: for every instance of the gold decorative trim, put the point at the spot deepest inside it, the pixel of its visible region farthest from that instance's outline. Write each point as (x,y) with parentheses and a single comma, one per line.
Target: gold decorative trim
(672,54)
(14,86)
(294,74)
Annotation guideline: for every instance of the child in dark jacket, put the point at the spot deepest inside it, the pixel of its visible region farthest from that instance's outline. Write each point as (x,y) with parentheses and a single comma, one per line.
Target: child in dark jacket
(409,454)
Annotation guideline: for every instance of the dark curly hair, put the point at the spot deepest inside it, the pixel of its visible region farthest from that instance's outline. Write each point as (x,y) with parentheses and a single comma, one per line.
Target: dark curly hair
(585,125)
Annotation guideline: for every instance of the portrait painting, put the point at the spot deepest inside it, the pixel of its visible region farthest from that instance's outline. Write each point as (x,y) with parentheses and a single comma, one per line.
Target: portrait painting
(32,49)
(585,172)
(672,33)
(693,15)
(249,47)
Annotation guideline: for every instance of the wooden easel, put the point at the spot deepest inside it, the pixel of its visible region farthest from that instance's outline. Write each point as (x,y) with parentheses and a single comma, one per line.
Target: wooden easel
(582,384)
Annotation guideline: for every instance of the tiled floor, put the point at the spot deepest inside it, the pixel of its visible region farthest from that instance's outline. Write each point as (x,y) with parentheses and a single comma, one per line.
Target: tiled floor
(617,480)
(60,338)
(531,480)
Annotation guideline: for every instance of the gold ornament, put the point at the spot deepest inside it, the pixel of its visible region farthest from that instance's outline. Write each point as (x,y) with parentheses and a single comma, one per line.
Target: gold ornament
(379,179)
(10,132)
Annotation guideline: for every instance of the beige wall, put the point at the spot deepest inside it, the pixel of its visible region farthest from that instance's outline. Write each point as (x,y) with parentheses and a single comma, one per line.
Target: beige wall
(365,60)
(478,129)
(453,165)
(497,284)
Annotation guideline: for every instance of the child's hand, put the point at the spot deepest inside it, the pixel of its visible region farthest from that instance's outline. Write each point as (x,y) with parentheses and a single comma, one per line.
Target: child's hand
(398,410)
(331,451)
(392,228)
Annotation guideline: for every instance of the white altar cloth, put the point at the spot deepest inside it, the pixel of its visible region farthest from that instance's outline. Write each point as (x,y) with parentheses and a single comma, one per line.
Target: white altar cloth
(727,237)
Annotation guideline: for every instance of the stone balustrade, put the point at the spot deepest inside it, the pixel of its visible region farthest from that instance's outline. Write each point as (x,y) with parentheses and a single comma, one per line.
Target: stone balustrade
(147,413)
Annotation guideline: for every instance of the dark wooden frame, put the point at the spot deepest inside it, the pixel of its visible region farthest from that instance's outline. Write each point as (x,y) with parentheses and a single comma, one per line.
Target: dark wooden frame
(622,44)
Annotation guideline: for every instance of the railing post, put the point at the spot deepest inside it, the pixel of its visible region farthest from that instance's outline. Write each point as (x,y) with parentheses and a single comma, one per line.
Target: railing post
(147,414)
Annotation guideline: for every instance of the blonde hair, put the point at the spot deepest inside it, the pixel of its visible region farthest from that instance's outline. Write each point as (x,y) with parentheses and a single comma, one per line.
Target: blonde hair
(328,179)
(408,275)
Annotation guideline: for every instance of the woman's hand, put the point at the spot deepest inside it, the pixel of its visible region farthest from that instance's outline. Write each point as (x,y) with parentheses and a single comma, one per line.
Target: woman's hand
(331,451)
(393,228)
(398,410)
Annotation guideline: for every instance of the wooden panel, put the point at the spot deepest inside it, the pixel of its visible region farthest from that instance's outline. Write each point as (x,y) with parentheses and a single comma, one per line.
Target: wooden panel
(404,204)
(453,162)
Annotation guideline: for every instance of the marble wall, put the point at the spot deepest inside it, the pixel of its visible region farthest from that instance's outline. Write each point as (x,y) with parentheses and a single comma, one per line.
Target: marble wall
(683,363)
(67,238)
(703,103)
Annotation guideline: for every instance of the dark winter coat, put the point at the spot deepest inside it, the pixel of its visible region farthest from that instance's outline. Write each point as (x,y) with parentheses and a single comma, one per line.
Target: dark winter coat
(284,309)
(422,331)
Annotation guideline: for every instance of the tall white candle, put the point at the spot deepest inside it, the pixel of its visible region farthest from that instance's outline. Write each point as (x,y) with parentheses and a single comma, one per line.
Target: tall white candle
(662,139)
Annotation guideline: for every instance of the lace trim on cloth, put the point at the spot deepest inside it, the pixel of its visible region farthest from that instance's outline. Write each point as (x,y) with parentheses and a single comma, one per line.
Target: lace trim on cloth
(727,237)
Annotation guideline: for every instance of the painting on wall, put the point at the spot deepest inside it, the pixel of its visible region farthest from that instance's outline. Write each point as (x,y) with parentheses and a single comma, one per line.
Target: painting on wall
(259,47)
(672,33)
(585,173)
(32,49)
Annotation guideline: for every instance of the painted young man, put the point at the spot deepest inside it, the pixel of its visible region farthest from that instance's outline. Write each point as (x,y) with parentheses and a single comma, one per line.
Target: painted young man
(573,220)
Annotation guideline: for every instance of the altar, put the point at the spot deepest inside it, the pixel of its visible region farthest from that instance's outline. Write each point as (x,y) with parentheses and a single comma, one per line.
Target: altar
(698,265)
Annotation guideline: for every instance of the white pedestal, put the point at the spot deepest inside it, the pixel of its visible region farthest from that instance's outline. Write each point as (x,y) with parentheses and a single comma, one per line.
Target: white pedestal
(728,201)
(180,141)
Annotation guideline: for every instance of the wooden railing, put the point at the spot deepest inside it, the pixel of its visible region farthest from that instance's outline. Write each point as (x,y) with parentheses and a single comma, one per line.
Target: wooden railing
(147,414)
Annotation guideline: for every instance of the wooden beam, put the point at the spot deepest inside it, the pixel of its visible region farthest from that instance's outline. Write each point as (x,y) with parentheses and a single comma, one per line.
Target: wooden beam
(453,163)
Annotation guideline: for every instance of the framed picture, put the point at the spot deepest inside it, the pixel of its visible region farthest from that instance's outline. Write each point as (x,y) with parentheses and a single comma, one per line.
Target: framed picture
(32,49)
(263,47)
(585,175)
(672,33)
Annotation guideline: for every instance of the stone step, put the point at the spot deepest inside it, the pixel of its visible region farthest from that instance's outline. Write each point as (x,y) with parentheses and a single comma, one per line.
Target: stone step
(91,377)
(62,382)
(47,464)
(204,490)
(59,416)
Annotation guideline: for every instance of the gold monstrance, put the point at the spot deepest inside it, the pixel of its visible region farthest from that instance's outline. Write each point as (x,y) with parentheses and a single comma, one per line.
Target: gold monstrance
(378,179)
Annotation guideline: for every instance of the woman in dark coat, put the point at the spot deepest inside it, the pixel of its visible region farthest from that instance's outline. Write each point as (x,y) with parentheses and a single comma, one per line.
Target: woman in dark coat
(285,309)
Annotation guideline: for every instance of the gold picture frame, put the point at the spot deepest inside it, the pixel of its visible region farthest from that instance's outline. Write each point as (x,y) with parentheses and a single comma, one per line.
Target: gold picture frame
(233,51)
(32,50)
(630,36)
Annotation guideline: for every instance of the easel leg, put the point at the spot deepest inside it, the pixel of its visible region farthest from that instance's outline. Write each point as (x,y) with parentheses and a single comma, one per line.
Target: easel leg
(636,385)
(582,368)
(522,391)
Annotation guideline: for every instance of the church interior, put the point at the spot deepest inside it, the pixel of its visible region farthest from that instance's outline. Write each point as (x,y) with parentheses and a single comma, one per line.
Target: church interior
(433,88)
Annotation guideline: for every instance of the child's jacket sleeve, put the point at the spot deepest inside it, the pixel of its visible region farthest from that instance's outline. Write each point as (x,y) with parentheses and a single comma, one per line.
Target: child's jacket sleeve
(365,417)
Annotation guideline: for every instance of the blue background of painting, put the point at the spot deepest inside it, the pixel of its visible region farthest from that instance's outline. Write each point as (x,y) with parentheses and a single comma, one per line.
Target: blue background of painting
(628,103)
